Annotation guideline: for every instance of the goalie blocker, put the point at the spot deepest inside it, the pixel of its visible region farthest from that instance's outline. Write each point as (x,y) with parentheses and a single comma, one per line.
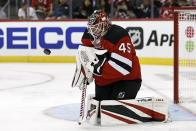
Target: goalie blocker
(122,112)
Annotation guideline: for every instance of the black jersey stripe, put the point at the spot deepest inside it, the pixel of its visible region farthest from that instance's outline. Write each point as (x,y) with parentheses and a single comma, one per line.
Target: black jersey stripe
(121,64)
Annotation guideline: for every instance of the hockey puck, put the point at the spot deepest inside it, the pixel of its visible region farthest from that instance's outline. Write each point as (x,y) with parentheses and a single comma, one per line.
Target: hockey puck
(47,51)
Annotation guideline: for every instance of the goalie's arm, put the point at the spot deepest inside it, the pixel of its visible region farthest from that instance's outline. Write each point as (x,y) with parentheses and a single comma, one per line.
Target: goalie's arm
(114,69)
(108,66)
(120,62)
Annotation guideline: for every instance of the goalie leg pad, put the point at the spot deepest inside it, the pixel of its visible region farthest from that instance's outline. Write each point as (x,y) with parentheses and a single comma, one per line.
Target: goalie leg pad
(123,112)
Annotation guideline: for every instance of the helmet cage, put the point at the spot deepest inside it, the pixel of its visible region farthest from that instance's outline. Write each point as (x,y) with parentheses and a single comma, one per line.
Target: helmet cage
(96,30)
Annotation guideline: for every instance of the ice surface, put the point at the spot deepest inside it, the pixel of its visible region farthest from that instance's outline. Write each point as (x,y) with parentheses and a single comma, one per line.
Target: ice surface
(70,112)
(28,92)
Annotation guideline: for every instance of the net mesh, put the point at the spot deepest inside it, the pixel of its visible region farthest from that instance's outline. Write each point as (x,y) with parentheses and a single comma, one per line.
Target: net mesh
(187,55)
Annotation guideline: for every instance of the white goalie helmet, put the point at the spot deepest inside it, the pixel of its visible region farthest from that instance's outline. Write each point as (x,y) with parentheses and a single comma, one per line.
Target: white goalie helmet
(98,24)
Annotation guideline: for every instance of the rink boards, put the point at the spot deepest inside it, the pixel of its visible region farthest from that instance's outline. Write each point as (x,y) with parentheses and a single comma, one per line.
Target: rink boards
(24,41)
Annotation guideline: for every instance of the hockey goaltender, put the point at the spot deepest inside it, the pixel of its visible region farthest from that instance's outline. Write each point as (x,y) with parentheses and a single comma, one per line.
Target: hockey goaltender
(109,59)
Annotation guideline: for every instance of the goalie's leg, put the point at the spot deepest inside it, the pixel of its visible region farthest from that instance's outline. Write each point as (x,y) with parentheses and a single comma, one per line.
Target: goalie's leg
(121,90)
(125,89)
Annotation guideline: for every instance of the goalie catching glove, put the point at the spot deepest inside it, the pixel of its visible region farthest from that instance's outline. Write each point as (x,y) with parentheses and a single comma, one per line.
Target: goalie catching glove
(92,59)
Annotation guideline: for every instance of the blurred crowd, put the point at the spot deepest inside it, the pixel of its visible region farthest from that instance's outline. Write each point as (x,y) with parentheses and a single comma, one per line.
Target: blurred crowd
(81,9)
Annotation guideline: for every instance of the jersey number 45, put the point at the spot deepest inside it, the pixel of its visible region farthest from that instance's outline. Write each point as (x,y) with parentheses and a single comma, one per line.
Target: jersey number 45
(125,47)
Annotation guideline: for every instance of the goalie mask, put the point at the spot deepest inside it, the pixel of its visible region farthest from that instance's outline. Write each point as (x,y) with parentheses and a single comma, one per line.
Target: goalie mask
(98,24)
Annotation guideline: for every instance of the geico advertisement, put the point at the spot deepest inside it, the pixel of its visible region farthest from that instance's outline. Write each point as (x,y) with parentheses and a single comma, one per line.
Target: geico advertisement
(150,38)
(30,38)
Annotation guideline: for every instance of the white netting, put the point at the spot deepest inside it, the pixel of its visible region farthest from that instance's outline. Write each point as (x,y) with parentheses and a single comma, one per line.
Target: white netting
(187,55)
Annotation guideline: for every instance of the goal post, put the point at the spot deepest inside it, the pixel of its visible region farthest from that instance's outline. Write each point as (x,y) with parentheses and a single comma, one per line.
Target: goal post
(184,54)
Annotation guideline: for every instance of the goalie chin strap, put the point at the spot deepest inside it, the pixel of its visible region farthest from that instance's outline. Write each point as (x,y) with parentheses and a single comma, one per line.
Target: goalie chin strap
(82,104)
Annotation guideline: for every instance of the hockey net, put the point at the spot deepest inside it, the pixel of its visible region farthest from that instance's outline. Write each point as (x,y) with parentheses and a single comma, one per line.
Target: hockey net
(184,55)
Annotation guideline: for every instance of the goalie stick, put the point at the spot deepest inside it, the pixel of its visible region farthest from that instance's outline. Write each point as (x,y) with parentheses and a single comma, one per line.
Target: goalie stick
(82,104)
